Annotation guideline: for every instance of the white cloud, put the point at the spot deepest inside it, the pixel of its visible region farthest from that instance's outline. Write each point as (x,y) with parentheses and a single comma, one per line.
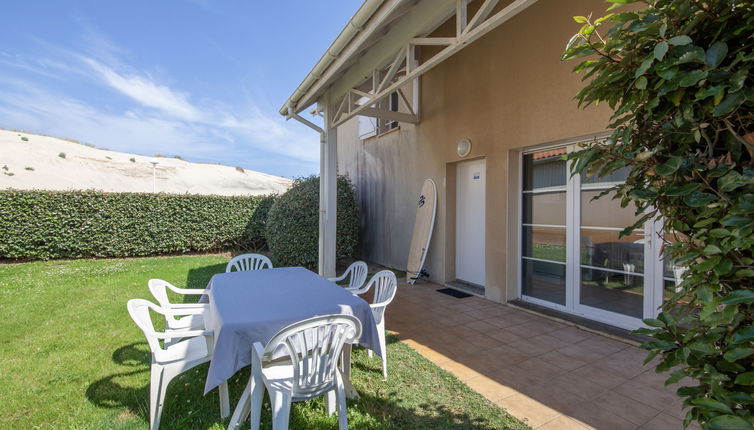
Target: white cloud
(147,92)
(160,119)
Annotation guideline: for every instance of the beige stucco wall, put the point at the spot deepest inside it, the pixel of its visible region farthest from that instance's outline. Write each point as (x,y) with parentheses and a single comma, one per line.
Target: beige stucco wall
(506,91)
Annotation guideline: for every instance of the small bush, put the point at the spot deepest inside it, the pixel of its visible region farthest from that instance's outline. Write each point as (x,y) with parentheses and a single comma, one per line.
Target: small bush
(29,168)
(76,224)
(5,167)
(109,158)
(293,223)
(240,169)
(61,155)
(178,157)
(25,139)
(132,159)
(8,174)
(255,229)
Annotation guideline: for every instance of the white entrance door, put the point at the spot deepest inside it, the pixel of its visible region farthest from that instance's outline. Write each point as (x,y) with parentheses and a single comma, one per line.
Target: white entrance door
(470,211)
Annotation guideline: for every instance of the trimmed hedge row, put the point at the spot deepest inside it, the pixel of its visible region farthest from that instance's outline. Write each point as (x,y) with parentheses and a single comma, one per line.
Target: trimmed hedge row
(75,224)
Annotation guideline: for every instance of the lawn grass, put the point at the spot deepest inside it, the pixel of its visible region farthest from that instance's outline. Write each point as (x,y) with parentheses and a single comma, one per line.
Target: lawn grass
(72,358)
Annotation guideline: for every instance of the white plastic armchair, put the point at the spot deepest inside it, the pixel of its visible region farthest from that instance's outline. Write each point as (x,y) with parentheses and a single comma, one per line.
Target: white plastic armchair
(159,290)
(385,286)
(314,347)
(170,361)
(246,262)
(356,274)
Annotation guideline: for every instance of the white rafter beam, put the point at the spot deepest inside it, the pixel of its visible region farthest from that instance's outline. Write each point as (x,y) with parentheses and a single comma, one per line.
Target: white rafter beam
(432,41)
(399,59)
(405,100)
(481,14)
(461,8)
(482,27)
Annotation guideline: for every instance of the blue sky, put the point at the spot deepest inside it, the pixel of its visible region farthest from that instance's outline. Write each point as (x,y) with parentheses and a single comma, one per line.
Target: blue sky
(201,79)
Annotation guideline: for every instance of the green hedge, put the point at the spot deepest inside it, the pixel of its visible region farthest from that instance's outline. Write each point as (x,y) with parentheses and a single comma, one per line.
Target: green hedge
(293,223)
(74,224)
(255,229)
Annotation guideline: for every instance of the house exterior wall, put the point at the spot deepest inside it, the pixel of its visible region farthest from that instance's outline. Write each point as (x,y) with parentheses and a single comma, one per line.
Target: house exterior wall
(506,91)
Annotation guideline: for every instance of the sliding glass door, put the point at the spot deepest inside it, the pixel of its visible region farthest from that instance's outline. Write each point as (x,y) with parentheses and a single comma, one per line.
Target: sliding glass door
(572,257)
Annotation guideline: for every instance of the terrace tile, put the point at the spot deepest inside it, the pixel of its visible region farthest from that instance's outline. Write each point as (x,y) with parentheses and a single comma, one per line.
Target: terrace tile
(553,375)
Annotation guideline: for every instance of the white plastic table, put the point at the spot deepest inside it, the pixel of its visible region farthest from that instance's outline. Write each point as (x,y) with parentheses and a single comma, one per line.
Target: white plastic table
(252,306)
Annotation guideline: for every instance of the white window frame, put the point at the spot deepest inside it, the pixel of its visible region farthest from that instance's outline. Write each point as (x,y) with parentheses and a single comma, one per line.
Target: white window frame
(653,264)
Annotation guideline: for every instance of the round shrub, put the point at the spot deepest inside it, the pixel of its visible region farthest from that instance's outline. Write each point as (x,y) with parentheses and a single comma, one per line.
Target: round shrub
(293,223)
(254,235)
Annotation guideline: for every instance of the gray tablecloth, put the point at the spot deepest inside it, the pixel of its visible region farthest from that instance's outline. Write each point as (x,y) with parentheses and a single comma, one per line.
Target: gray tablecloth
(248,307)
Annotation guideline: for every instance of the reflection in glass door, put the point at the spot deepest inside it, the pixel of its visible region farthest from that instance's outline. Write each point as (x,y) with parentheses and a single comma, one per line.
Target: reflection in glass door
(544,226)
(572,257)
(612,268)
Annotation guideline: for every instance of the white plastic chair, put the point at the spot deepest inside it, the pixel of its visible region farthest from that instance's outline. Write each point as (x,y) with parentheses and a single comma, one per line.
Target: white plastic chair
(170,361)
(159,290)
(314,347)
(245,262)
(385,286)
(356,274)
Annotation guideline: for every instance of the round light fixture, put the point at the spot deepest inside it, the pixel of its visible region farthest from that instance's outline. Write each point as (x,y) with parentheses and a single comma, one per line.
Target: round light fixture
(463,148)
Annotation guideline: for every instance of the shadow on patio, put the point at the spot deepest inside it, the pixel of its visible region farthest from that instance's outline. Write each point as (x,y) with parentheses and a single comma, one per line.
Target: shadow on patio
(554,375)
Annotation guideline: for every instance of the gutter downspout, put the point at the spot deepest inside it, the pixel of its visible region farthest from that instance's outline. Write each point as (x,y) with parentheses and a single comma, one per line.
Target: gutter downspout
(322,203)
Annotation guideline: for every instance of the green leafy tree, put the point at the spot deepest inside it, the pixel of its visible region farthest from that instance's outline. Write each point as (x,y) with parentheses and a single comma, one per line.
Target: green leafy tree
(678,76)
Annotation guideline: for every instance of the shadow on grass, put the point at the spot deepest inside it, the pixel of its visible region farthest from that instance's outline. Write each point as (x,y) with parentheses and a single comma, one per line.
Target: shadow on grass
(198,277)
(381,404)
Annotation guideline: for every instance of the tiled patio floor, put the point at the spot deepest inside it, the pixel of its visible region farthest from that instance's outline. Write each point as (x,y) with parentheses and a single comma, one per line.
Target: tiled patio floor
(552,375)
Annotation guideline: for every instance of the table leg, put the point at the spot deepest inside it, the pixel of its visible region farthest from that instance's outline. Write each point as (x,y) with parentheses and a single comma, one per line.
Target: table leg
(224,400)
(243,408)
(351,392)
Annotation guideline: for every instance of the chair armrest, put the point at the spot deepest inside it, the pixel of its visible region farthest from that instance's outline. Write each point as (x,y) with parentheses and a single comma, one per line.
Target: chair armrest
(184,311)
(188,305)
(357,291)
(337,279)
(192,291)
(175,334)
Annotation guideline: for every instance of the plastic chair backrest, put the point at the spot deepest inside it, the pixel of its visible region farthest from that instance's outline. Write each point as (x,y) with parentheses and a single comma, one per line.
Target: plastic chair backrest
(357,274)
(314,346)
(139,311)
(385,286)
(246,262)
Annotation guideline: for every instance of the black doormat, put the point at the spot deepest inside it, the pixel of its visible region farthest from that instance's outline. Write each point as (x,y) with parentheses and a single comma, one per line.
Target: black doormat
(454,293)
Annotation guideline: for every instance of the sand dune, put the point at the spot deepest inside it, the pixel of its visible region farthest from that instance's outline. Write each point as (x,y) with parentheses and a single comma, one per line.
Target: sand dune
(31,161)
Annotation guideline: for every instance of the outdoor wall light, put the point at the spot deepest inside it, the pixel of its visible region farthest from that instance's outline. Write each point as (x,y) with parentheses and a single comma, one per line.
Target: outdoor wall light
(463,148)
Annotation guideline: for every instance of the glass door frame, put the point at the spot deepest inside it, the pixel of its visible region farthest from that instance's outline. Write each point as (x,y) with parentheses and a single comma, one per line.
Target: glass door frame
(653,265)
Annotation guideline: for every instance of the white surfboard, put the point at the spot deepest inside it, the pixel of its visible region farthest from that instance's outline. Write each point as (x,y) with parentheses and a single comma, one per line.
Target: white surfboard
(425,221)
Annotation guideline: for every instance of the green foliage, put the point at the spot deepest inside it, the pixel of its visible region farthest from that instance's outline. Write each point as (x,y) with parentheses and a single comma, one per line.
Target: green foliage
(678,74)
(132,159)
(29,168)
(72,224)
(25,139)
(61,155)
(293,223)
(255,229)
